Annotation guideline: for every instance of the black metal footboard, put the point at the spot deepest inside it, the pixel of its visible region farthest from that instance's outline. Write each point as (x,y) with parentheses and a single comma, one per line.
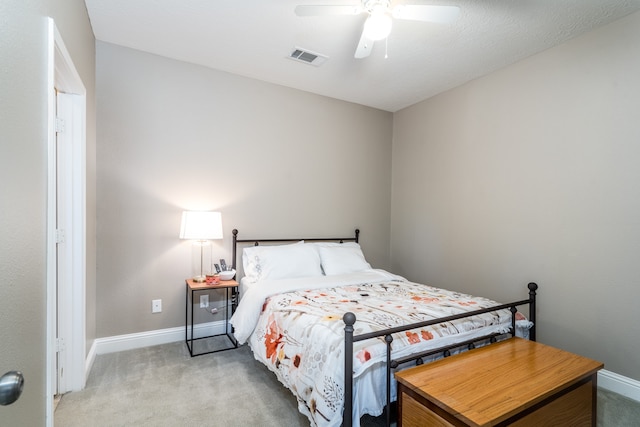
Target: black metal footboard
(350,319)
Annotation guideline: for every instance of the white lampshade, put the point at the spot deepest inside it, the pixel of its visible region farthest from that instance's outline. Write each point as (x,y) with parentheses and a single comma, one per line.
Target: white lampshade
(377,26)
(201,225)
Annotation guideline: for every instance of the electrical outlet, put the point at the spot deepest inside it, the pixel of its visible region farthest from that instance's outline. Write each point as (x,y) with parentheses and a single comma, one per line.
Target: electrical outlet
(156,306)
(204,301)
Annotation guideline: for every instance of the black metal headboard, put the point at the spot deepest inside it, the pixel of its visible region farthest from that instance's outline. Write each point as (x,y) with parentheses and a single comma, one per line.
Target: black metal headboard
(257,242)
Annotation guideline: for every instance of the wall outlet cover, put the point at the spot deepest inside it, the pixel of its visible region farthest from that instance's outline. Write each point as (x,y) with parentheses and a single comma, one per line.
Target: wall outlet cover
(204,301)
(156,306)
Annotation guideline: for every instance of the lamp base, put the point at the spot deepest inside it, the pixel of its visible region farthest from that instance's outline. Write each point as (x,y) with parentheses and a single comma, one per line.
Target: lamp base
(199,279)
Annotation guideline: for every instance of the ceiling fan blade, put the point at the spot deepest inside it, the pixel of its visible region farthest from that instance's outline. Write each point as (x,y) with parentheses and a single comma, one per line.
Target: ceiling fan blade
(365,46)
(327,10)
(426,13)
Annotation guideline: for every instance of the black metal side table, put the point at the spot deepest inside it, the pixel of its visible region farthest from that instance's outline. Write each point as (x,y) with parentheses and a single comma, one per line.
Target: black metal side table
(231,302)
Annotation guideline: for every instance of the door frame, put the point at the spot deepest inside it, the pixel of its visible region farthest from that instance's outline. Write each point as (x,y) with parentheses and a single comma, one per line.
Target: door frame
(63,76)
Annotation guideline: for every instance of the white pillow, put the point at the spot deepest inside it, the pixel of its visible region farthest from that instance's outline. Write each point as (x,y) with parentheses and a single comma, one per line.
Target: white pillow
(280,262)
(332,244)
(342,258)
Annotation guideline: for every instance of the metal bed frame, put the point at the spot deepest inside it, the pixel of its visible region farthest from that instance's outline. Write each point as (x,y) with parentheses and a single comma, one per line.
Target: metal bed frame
(349,320)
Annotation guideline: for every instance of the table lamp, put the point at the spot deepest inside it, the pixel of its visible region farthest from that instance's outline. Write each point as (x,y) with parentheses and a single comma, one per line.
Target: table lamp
(201,227)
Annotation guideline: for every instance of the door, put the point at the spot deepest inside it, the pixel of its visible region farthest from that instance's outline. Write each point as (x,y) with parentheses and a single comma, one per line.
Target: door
(70,238)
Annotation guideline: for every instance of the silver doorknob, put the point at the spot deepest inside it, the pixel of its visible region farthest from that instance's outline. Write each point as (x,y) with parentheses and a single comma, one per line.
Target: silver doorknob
(11,385)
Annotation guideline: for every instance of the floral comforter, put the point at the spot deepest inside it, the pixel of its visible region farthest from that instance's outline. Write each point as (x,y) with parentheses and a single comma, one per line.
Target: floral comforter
(299,335)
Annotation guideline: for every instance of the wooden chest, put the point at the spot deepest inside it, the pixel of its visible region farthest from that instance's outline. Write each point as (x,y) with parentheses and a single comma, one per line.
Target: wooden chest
(515,382)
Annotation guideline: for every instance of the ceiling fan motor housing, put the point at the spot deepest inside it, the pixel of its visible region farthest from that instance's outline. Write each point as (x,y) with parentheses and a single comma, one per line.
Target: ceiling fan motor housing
(378,24)
(371,5)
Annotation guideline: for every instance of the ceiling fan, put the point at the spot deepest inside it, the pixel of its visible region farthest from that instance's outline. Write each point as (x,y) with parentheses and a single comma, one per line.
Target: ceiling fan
(379,22)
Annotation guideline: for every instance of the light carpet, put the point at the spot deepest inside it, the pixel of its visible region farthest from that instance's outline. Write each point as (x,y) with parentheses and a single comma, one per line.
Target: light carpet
(163,386)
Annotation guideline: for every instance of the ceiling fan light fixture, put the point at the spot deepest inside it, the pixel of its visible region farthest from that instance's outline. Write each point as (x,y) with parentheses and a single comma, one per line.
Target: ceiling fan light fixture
(377,26)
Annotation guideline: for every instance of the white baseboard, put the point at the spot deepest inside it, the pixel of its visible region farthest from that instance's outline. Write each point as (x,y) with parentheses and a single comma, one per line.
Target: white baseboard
(607,380)
(616,383)
(88,363)
(149,338)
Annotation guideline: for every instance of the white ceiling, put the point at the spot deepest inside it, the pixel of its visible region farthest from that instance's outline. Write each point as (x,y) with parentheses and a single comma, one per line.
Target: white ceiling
(254,38)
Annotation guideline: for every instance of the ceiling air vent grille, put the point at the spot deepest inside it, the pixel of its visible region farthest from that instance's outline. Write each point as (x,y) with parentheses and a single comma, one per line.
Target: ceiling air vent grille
(308,57)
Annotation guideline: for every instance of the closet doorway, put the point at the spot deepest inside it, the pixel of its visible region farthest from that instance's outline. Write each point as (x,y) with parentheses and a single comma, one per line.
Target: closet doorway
(66,225)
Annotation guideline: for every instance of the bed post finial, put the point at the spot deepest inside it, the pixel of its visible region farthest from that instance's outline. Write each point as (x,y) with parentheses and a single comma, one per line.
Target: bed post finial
(357,235)
(347,413)
(349,319)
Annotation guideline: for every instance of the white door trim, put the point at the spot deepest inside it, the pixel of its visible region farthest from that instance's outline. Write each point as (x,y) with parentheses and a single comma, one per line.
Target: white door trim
(62,75)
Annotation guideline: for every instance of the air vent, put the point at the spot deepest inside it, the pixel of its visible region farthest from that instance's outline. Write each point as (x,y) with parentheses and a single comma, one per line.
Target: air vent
(308,57)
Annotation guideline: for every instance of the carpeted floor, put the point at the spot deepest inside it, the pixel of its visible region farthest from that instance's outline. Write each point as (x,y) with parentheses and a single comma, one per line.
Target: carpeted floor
(163,386)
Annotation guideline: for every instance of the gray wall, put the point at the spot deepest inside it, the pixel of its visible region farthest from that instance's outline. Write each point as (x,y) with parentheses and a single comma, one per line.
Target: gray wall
(531,174)
(23,193)
(275,161)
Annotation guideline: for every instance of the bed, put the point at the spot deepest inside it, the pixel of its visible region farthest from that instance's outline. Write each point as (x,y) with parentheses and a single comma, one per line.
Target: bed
(313,309)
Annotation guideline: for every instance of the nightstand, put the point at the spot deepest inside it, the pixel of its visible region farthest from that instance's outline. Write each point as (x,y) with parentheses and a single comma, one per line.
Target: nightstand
(230,287)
